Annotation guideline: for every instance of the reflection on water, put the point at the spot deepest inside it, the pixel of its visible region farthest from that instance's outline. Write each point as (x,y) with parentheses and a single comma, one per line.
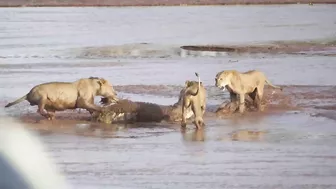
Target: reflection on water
(298,157)
(247,135)
(193,135)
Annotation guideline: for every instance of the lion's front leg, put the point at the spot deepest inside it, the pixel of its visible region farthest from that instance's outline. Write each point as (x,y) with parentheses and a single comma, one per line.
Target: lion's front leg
(91,102)
(241,103)
(85,104)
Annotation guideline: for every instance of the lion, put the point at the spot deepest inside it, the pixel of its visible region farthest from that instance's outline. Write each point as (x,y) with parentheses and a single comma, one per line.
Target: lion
(59,96)
(249,83)
(194,96)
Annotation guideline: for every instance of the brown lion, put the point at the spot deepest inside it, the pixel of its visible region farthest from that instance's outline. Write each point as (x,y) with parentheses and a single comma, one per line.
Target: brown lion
(251,83)
(194,97)
(59,96)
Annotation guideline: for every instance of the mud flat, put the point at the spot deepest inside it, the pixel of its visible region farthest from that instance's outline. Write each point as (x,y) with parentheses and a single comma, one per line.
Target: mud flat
(146,50)
(313,48)
(41,3)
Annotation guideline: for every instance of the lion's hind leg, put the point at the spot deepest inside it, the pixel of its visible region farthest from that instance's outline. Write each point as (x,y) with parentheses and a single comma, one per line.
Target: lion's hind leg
(199,123)
(241,103)
(51,113)
(251,99)
(232,106)
(41,108)
(91,102)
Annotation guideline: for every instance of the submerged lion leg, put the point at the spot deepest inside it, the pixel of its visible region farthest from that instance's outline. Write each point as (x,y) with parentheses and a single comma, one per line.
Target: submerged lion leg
(242,103)
(184,120)
(82,103)
(41,110)
(51,113)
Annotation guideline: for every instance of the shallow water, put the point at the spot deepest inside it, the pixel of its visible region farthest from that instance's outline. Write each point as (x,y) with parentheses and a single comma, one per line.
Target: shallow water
(292,150)
(28,34)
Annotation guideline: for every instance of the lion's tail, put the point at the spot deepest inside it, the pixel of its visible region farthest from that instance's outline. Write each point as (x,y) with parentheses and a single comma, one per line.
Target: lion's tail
(199,81)
(198,88)
(270,84)
(16,101)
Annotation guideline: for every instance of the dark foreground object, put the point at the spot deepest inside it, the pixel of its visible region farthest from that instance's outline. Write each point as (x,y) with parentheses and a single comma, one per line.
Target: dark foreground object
(130,111)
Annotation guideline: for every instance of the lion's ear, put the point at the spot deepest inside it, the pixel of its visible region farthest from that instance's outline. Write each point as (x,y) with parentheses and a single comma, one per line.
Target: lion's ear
(101,82)
(187,83)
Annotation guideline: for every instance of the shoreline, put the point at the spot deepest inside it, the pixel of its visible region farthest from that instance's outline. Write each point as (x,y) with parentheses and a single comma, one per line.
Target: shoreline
(152,3)
(271,48)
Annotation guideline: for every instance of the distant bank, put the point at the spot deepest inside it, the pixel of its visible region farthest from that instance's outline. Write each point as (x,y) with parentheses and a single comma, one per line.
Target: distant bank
(57,3)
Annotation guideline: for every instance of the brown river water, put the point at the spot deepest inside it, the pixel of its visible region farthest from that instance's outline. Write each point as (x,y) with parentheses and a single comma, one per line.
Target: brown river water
(290,145)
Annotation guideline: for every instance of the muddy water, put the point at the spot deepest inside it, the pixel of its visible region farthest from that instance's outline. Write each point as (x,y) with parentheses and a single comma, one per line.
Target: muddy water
(137,49)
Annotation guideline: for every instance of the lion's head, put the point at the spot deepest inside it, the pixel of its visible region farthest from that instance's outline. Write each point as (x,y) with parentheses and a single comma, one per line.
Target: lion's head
(106,89)
(223,79)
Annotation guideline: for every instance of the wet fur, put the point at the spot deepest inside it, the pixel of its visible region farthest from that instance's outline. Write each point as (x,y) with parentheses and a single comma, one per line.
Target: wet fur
(59,96)
(249,83)
(194,97)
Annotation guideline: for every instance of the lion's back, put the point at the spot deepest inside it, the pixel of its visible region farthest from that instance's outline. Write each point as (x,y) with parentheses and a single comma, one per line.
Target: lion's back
(54,87)
(54,91)
(254,76)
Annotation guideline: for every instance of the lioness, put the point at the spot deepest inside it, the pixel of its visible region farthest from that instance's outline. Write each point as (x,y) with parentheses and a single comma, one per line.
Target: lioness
(194,96)
(251,82)
(59,96)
